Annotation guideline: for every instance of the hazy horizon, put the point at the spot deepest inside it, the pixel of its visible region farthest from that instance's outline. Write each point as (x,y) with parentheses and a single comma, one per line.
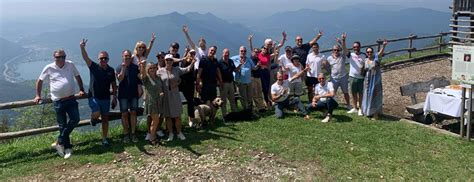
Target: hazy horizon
(110,10)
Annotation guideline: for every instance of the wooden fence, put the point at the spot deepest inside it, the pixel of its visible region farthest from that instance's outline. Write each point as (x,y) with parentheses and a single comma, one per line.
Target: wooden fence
(410,40)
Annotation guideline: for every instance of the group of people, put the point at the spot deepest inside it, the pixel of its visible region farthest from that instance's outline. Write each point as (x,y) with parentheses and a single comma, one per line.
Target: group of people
(263,79)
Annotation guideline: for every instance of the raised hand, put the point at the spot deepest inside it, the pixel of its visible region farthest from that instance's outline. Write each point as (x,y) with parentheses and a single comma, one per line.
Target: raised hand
(344,36)
(185,29)
(83,43)
(283,34)
(153,36)
(385,42)
(250,37)
(338,40)
(320,34)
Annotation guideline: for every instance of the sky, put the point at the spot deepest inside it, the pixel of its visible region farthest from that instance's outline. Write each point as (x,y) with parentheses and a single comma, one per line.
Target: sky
(111,10)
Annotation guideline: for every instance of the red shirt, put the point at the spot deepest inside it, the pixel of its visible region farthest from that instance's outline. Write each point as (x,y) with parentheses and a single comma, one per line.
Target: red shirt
(264,60)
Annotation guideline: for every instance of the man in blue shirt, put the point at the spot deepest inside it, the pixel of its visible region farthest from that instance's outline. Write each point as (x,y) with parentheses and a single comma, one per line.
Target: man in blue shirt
(243,75)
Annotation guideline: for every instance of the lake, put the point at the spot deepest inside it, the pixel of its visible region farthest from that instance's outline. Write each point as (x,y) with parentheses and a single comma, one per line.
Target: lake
(32,70)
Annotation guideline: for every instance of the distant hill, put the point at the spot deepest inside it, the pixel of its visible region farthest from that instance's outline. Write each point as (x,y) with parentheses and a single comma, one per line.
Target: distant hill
(362,22)
(123,35)
(16,91)
(9,49)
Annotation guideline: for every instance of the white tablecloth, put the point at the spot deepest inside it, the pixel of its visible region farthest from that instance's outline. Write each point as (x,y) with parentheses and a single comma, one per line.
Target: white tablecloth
(444,101)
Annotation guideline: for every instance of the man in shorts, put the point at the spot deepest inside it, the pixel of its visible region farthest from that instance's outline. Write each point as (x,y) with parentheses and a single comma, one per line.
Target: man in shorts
(356,79)
(337,63)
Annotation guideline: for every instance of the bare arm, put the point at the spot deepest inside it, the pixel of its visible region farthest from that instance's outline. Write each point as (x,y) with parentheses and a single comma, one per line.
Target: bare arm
(250,41)
(345,51)
(142,74)
(315,39)
(148,50)
(79,83)
(382,50)
(282,42)
(39,87)
(85,56)
(121,75)
(188,38)
(299,74)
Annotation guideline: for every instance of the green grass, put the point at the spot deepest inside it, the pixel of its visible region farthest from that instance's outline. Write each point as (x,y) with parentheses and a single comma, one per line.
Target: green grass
(395,150)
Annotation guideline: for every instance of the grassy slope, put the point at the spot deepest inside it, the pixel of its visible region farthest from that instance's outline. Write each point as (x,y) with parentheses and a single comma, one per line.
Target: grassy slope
(348,147)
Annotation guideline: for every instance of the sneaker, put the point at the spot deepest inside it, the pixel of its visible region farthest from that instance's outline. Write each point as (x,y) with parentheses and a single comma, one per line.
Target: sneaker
(353,110)
(181,136)
(134,138)
(126,139)
(160,133)
(326,119)
(60,150)
(360,112)
(307,117)
(348,107)
(105,142)
(191,124)
(68,153)
(170,137)
(147,137)
(53,145)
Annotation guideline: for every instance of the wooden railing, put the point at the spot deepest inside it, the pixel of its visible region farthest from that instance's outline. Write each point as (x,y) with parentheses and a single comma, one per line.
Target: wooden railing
(113,115)
(410,39)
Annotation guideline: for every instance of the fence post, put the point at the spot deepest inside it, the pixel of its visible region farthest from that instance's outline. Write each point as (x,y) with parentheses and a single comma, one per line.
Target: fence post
(410,45)
(440,42)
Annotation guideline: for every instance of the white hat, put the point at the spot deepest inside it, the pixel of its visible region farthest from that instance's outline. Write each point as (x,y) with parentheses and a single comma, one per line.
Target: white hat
(192,50)
(168,56)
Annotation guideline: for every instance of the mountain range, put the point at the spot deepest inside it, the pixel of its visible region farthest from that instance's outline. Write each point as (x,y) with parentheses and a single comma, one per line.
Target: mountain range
(363,23)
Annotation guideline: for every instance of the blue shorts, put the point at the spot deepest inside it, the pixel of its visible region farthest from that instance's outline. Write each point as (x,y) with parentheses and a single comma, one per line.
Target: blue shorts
(99,105)
(126,104)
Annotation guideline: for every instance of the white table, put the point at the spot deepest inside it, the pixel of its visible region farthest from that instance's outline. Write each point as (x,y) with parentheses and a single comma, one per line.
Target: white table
(445,101)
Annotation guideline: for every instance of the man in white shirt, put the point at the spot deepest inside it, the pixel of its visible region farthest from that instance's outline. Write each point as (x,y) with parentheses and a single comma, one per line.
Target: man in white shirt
(339,76)
(356,79)
(323,98)
(315,62)
(280,95)
(61,75)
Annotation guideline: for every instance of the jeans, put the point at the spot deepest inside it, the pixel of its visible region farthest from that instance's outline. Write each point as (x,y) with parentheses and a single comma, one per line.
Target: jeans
(188,93)
(265,77)
(329,105)
(290,102)
(69,107)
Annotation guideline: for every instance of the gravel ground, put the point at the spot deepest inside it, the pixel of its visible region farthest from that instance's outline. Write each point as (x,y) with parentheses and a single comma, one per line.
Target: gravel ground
(170,164)
(394,77)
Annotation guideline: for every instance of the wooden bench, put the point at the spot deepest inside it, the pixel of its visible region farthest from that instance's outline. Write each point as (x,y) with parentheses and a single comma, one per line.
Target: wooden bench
(410,89)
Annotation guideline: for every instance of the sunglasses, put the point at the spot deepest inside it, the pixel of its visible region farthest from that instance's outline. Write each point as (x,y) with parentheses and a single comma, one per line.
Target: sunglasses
(243,51)
(321,78)
(60,57)
(141,47)
(336,50)
(299,39)
(169,59)
(104,58)
(370,52)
